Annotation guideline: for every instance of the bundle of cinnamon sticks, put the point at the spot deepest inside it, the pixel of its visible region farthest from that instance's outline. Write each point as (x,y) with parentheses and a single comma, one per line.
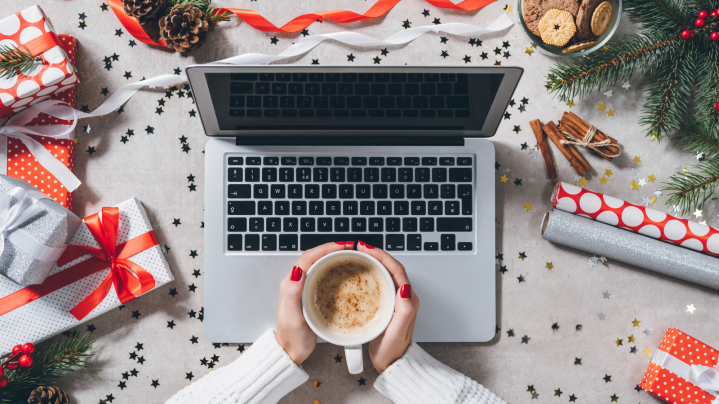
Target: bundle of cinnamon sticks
(576,128)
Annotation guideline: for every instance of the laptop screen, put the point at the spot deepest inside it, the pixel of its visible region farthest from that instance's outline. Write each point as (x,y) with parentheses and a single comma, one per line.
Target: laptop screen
(356,101)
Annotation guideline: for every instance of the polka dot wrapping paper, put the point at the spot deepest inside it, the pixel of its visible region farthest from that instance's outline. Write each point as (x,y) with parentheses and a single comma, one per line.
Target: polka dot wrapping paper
(680,355)
(639,219)
(32,29)
(23,166)
(50,314)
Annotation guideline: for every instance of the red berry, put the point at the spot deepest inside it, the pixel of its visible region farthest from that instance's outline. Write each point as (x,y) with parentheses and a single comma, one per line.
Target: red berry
(16,349)
(713,15)
(28,348)
(717,107)
(700,22)
(3,381)
(692,35)
(2,370)
(714,36)
(12,366)
(25,361)
(703,14)
(686,34)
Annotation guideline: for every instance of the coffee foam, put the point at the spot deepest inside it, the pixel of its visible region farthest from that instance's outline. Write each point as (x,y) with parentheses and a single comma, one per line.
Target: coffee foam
(348,296)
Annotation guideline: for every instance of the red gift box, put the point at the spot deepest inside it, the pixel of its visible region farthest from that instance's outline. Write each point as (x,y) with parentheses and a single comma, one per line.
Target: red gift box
(683,370)
(20,162)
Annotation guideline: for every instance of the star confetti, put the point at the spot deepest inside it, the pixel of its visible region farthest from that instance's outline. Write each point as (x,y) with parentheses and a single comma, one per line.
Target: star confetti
(691,308)
(316,384)
(549,265)
(647,351)
(601,107)
(571,103)
(637,159)
(529,51)
(635,185)
(610,112)
(522,256)
(527,207)
(603,180)
(504,179)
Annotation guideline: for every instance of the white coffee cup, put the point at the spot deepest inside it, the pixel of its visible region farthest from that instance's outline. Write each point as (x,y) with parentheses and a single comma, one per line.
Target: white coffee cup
(352,342)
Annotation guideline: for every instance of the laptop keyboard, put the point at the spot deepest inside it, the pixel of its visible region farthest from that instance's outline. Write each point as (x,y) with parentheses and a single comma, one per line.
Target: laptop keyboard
(399,202)
(355,95)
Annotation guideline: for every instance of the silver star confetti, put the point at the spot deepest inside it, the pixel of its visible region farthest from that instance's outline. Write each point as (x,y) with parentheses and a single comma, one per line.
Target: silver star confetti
(626,85)
(601,316)
(606,295)
(608,93)
(647,331)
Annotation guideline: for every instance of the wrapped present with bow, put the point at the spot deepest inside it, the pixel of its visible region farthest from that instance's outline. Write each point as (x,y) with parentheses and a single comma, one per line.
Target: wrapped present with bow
(113,258)
(683,370)
(34,231)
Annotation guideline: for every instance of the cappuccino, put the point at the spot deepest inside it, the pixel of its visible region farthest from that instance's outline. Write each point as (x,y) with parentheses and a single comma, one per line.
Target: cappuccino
(347,296)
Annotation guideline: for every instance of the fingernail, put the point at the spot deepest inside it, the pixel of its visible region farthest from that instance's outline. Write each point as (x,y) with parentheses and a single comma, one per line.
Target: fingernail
(296,274)
(405,292)
(340,242)
(349,242)
(361,242)
(368,246)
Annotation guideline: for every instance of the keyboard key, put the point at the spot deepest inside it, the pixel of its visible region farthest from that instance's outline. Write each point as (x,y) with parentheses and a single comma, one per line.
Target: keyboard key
(415,77)
(411,161)
(349,208)
(342,161)
(426,224)
(427,113)
(464,246)
(279,88)
(308,241)
(379,191)
(333,77)
(395,242)
(446,246)
(439,174)
(270,161)
(299,208)
(396,191)
(376,161)
(455,224)
(444,89)
(272,113)
(320,174)
(461,113)
(284,77)
(262,88)
(269,174)
(394,161)
(261,191)
(235,161)
(411,89)
(241,208)
(359,161)
(359,113)
(342,224)
(324,224)
(434,208)
(241,88)
(269,242)
(363,191)
(414,191)
(354,174)
(451,208)
(317,77)
(252,242)
(252,175)
(264,208)
(237,224)
(296,89)
(399,77)
(359,224)
(389,174)
(448,77)
(304,174)
(401,208)
(371,174)
(464,192)
(289,113)
(237,101)
(393,224)
(282,208)
(405,174)
(446,161)
(329,88)
(256,224)
(420,102)
(419,208)
(428,88)
(431,246)
(404,102)
(421,174)
(288,242)
(329,191)
(375,224)
(320,101)
(409,224)
(299,76)
(312,191)
(307,224)
(294,191)
(287,174)
(346,191)
(378,89)
(307,161)
(394,89)
(345,89)
(317,208)
(367,208)
(384,207)
(337,174)
(234,242)
(254,101)
(376,113)
(414,242)
(431,191)
(273,224)
(290,224)
(464,161)
(446,191)
(244,76)
(429,161)
(333,208)
(460,175)
(238,191)
(410,113)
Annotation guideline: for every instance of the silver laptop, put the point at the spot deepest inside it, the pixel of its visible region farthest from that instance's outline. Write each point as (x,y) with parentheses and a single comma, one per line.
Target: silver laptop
(392,156)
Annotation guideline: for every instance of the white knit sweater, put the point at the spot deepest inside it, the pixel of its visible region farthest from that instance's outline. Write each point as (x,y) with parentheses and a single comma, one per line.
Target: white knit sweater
(265,373)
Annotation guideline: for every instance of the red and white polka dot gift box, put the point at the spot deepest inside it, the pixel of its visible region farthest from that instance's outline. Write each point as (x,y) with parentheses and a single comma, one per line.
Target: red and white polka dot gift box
(637,218)
(20,162)
(30,28)
(683,370)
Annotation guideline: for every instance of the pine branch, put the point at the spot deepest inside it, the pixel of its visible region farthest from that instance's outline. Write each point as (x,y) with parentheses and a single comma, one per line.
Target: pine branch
(699,138)
(578,77)
(201,4)
(691,189)
(663,15)
(15,60)
(708,82)
(65,355)
(217,15)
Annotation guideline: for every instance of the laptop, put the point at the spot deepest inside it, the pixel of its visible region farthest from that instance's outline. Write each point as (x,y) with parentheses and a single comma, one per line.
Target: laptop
(394,156)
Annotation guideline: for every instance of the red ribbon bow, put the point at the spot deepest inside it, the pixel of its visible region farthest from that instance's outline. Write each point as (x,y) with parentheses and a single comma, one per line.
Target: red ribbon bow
(129,279)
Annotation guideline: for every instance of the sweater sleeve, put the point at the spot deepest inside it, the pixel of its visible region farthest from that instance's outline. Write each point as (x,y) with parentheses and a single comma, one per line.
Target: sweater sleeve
(262,375)
(418,378)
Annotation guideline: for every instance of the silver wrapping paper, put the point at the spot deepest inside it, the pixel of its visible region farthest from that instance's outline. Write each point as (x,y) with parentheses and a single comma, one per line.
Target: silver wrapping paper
(54,227)
(631,248)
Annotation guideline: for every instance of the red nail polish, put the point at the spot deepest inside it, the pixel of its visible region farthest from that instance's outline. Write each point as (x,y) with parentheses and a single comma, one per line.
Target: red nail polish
(368,246)
(360,242)
(296,274)
(340,242)
(405,292)
(349,242)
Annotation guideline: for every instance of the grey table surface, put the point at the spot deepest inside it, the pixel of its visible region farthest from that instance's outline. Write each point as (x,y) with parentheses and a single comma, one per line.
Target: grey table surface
(591,307)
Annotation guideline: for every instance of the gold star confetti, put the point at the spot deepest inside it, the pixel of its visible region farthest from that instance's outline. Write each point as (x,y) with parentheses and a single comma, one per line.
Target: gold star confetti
(601,106)
(550,265)
(608,172)
(529,50)
(610,112)
(603,180)
(635,185)
(316,383)
(647,352)
(637,159)
(631,339)
(698,213)
(614,398)
(507,8)
(583,181)
(77,140)
(315,401)
(651,178)
(522,256)
(635,322)
(504,179)
(570,103)
(558,392)
(652,199)
(691,308)
(527,207)
(684,170)
(618,342)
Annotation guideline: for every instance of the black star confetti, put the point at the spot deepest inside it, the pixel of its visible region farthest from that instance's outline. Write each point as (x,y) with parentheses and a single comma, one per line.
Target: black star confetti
(524,146)
(517,129)
(173,292)
(362,381)
(183,139)
(425,13)
(82,25)
(118,32)
(274,40)
(241,348)
(507,115)
(171,325)
(522,256)
(194,340)
(159,110)
(497,51)
(122,385)
(136,314)
(517,182)
(406,24)
(315,61)
(305,32)
(607,378)
(141,360)
(190,178)
(505,44)
(444,54)
(484,55)
(130,132)
(506,55)
(512,103)
(84,108)
(91,328)
(124,139)
(338,359)
(350,58)
(578,361)
(91,149)
(502,269)
(132,43)
(376,60)
(555,327)
(133,355)
(192,287)
(139,346)
(192,113)
(186,148)
(436,21)
(115,57)
(572,398)
(192,187)
(192,313)
(467,59)
(189,376)
(155,383)
(176,222)
(443,39)
(126,375)
(104,91)
(520,278)
(134,372)
(525,101)
(161,102)
(525,339)
(510,333)
(127,75)
(215,358)
(150,130)
(497,63)
(497,165)
(472,41)
(384,52)
(500,257)
(103,7)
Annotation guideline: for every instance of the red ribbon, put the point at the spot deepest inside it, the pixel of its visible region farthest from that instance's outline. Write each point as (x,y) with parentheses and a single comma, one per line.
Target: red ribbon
(380,8)
(43,43)
(127,286)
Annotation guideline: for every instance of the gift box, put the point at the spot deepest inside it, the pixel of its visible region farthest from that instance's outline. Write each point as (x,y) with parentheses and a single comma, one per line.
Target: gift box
(54,73)
(37,231)
(683,370)
(113,258)
(19,162)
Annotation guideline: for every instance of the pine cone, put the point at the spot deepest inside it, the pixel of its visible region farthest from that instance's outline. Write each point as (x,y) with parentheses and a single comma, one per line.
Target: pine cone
(184,27)
(144,10)
(48,395)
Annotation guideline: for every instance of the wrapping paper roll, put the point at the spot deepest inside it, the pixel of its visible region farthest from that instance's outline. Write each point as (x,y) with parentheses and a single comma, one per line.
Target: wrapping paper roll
(636,218)
(631,248)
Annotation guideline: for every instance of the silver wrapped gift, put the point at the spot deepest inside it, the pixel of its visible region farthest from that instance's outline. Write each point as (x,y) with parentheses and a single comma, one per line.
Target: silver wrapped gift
(34,231)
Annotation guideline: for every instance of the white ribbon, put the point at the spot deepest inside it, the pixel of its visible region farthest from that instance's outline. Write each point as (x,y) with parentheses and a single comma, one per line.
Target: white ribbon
(704,377)
(11,217)
(15,128)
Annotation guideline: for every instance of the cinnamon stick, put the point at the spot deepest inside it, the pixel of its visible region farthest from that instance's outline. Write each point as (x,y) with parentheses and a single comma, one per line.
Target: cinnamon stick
(575,159)
(576,127)
(544,148)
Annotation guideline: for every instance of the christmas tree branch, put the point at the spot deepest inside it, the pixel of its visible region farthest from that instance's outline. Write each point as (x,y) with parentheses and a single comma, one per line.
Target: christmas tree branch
(699,138)
(15,60)
(693,190)
(708,84)
(666,15)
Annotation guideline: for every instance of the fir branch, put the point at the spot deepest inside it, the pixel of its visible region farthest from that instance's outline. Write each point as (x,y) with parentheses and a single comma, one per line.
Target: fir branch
(201,4)
(578,77)
(15,60)
(217,15)
(699,138)
(708,82)
(664,15)
(65,355)
(693,189)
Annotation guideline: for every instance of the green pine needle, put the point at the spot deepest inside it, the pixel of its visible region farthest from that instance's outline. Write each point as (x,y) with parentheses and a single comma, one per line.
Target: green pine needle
(201,4)
(15,60)
(693,189)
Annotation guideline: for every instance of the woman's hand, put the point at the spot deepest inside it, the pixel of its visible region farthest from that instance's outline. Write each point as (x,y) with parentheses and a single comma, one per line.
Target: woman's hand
(293,333)
(392,343)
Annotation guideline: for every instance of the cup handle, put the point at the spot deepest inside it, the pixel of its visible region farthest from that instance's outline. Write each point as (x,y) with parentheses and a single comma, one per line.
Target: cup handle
(353,354)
